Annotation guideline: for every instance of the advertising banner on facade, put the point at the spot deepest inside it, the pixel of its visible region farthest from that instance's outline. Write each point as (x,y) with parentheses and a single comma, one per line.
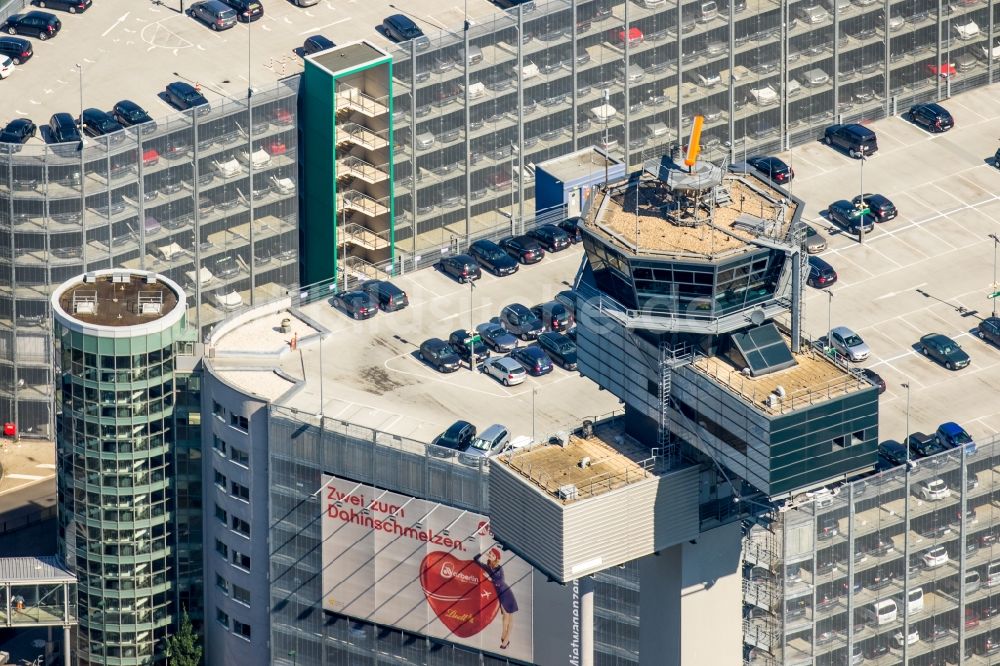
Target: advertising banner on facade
(436,570)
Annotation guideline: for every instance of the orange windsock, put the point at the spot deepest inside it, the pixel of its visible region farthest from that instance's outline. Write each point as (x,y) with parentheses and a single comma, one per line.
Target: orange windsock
(694,143)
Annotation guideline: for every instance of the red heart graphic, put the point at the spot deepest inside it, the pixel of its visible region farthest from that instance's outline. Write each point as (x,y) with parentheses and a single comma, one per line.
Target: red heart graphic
(459,592)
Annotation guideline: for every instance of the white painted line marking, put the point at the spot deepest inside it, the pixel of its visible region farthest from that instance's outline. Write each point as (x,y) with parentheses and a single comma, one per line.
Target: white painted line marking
(118,21)
(46,465)
(26,477)
(338,21)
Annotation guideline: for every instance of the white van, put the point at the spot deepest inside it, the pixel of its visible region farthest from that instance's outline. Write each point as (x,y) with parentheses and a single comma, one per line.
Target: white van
(915,600)
(881,612)
(993,573)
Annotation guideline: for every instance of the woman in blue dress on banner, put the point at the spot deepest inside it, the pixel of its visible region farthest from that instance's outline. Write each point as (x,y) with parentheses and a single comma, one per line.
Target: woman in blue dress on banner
(508,604)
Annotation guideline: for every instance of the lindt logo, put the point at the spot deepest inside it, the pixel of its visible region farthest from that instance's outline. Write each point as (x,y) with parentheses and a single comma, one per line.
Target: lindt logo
(448,572)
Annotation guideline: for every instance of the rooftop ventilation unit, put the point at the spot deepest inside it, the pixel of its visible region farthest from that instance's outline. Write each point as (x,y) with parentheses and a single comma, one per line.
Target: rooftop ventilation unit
(90,278)
(567,492)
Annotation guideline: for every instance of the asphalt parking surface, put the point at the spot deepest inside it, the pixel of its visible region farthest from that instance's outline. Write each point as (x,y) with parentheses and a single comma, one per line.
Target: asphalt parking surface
(378,380)
(927,271)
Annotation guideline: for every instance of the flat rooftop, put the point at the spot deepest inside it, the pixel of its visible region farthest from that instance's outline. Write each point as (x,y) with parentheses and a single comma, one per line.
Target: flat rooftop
(36,569)
(639,219)
(613,460)
(814,378)
(120,298)
(347,57)
(368,372)
(134,49)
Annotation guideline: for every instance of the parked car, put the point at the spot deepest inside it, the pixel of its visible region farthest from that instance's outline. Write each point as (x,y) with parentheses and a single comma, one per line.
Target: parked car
(71,6)
(461,343)
(882,209)
(520,321)
(950,435)
(17,48)
(572,228)
(128,114)
(400,28)
(849,344)
(524,249)
(923,446)
(439,355)
(944,350)
(42,25)
(496,337)
(550,237)
(63,128)
(813,242)
(493,258)
(827,527)
(874,378)
(246,10)
(358,304)
(462,267)
(214,13)
(559,348)
(505,370)
(489,442)
(931,116)
(388,296)
(989,329)
(850,217)
(857,140)
(95,122)
(458,436)
(932,490)
(315,44)
(554,315)
(185,96)
(911,638)
(772,168)
(821,274)
(7,66)
(535,361)
(18,131)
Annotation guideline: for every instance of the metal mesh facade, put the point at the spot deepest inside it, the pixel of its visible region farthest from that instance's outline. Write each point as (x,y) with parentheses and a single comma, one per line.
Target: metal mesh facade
(175,197)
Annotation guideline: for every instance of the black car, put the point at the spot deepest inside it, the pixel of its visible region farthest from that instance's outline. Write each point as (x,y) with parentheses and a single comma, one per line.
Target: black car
(18,131)
(875,379)
(550,237)
(358,304)
(491,256)
(520,321)
(881,208)
(36,24)
(821,274)
(857,140)
(523,248)
(554,315)
(944,350)
(850,217)
(568,298)
(246,10)
(528,5)
(439,354)
(185,96)
(572,228)
(63,129)
(922,445)
(315,44)
(989,329)
(933,117)
(457,437)
(95,122)
(772,168)
(71,6)
(128,114)
(400,28)
(893,452)
(461,266)
(18,49)
(560,349)
(535,361)
(462,344)
(388,296)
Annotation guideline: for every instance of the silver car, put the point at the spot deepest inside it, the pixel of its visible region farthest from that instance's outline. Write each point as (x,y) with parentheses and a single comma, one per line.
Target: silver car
(489,442)
(849,344)
(813,241)
(813,14)
(505,370)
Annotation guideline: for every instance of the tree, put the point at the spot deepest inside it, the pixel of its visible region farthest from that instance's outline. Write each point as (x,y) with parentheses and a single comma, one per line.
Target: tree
(183,648)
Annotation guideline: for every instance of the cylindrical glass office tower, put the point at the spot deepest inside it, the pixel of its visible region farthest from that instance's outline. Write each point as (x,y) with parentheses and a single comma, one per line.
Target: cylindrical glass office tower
(117,333)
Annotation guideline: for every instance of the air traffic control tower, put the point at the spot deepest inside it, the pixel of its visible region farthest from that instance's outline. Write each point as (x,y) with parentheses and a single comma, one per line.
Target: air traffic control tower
(689,311)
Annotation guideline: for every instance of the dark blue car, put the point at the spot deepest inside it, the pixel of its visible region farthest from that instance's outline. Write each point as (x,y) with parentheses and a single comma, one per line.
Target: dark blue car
(400,28)
(535,361)
(493,258)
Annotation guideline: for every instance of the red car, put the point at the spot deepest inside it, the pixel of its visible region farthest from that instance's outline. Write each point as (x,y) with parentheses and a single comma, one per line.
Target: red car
(635,36)
(946,70)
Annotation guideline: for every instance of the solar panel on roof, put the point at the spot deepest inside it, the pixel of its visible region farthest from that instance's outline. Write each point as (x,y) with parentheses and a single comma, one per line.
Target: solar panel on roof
(763,349)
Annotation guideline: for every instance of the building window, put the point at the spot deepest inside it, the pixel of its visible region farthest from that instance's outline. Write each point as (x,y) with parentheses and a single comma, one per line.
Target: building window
(241,526)
(219,444)
(241,560)
(241,595)
(239,491)
(218,410)
(222,583)
(858,437)
(839,443)
(220,513)
(221,548)
(241,629)
(240,457)
(220,479)
(222,617)
(239,422)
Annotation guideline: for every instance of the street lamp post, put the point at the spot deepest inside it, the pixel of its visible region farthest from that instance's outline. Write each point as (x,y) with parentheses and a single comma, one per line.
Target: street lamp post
(294,655)
(906,436)
(996,241)
(472,329)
